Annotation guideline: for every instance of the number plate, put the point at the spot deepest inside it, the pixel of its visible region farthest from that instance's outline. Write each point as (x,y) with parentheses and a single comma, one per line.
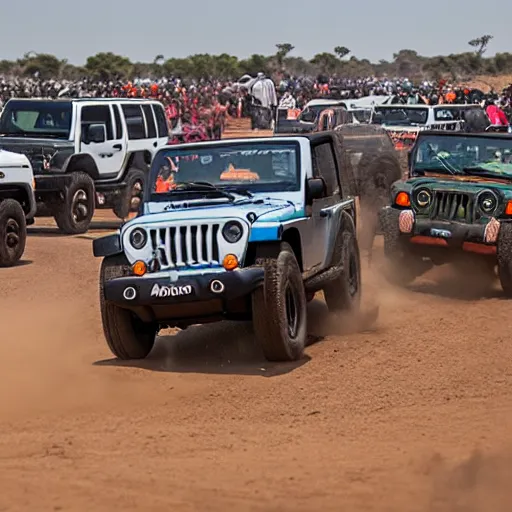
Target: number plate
(440,233)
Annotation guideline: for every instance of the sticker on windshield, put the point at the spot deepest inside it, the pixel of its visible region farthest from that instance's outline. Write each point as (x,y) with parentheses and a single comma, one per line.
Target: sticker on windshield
(205,160)
(233,174)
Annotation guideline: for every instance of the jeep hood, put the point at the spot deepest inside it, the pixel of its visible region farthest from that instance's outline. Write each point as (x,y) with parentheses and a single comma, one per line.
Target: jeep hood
(263,210)
(462,183)
(9,159)
(33,146)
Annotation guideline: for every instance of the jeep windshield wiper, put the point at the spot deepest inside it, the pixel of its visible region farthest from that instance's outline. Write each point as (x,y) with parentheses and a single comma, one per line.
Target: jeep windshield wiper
(241,191)
(201,186)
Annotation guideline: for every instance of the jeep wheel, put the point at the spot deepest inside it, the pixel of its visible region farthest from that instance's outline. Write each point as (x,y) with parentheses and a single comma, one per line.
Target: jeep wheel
(13,232)
(131,197)
(504,254)
(401,267)
(279,308)
(344,292)
(127,336)
(74,214)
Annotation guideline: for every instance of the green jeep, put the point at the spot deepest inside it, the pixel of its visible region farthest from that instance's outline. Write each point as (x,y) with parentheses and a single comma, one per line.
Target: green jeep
(455,203)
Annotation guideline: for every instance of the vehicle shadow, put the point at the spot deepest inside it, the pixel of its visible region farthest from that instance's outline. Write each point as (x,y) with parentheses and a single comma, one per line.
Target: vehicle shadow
(229,348)
(22,263)
(53,231)
(464,284)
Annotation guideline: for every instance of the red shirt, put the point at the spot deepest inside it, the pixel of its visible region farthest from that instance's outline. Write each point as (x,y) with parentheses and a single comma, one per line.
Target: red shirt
(496,115)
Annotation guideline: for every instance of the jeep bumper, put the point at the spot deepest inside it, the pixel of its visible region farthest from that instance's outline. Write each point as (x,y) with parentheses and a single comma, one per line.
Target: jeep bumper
(50,183)
(190,299)
(479,238)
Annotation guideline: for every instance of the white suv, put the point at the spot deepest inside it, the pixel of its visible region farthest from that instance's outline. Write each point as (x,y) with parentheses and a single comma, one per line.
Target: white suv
(86,153)
(17,205)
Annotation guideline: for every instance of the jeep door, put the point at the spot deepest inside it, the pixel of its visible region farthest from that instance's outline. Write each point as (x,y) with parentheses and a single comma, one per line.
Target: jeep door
(107,150)
(326,211)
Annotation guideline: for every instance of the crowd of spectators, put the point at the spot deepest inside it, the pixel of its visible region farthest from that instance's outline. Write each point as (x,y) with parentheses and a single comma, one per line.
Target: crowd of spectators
(198,109)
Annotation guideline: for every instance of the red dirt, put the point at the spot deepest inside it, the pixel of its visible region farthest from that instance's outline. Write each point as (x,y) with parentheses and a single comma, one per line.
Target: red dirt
(412,415)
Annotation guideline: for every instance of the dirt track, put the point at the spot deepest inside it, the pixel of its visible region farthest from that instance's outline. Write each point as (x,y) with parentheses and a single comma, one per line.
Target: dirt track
(414,414)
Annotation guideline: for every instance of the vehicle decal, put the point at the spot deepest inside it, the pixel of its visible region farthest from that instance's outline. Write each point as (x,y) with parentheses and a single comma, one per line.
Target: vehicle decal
(402,139)
(171,291)
(233,174)
(264,233)
(406,221)
(491,231)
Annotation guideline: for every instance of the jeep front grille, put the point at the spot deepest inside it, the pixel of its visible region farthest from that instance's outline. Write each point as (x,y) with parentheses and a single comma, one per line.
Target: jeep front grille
(452,206)
(186,246)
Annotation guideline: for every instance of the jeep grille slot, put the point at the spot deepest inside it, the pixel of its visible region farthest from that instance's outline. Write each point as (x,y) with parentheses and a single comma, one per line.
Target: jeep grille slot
(186,246)
(452,206)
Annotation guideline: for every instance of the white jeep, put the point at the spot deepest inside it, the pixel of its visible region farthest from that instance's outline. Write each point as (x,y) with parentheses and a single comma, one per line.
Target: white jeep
(85,153)
(17,205)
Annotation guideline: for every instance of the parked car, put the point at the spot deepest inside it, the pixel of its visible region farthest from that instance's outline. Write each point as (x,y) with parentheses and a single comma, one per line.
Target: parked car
(17,205)
(85,153)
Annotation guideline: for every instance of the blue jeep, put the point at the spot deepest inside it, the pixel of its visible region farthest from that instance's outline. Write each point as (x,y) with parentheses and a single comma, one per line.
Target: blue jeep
(235,229)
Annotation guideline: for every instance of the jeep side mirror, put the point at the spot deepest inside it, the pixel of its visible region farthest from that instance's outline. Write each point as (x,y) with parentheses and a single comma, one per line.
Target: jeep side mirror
(95,133)
(409,159)
(315,189)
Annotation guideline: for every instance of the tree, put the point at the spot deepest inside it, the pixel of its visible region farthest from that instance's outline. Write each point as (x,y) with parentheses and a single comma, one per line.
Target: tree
(108,66)
(327,62)
(283,49)
(481,43)
(341,51)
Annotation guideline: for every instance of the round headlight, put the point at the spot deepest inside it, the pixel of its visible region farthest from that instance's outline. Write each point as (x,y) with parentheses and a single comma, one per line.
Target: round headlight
(232,231)
(423,198)
(138,238)
(487,202)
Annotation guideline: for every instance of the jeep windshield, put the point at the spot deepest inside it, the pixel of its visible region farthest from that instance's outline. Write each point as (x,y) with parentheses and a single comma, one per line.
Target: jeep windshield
(484,156)
(400,116)
(223,170)
(41,119)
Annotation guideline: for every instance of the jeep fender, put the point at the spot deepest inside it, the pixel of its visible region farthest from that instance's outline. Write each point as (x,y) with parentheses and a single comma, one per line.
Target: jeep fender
(139,160)
(109,245)
(84,163)
(270,248)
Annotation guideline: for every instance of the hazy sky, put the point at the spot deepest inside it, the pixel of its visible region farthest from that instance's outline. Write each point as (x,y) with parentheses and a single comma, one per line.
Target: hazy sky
(373,29)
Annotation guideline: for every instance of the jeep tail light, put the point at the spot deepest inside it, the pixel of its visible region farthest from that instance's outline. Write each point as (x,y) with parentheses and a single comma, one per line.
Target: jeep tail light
(403,199)
(508,209)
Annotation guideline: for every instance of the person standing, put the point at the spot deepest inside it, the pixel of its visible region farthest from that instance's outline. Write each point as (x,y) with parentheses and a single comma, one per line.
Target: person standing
(265,100)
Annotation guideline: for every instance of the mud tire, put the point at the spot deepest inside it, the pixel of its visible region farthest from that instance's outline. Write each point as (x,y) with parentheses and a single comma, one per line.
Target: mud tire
(401,267)
(13,232)
(74,213)
(123,206)
(343,294)
(126,335)
(504,256)
(279,308)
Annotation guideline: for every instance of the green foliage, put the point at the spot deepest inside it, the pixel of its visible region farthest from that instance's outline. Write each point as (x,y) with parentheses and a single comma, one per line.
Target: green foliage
(407,62)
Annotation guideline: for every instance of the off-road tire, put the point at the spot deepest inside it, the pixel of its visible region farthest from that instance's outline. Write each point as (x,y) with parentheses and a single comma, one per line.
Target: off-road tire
(344,292)
(401,267)
(127,336)
(123,206)
(13,232)
(74,213)
(279,308)
(504,254)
